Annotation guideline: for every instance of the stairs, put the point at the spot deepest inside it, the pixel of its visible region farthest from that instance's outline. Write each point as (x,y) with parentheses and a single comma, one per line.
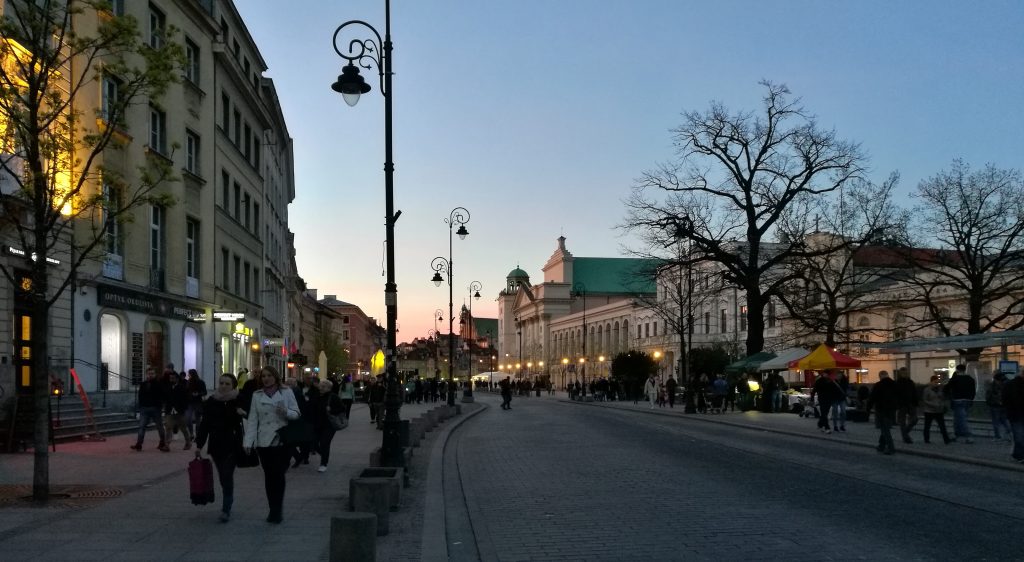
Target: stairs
(73,422)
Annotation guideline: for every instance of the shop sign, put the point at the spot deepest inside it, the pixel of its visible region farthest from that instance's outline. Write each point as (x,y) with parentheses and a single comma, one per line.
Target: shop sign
(226,316)
(127,299)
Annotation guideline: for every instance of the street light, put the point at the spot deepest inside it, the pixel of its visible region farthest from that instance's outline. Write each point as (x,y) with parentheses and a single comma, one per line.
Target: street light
(369,53)
(519,332)
(459,216)
(580,290)
(474,293)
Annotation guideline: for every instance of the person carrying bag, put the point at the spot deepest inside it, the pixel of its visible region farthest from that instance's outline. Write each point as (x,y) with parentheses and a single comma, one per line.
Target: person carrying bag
(271,409)
(221,424)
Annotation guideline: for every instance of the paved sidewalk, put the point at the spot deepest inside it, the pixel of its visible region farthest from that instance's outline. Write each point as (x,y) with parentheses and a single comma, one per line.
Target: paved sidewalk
(127,505)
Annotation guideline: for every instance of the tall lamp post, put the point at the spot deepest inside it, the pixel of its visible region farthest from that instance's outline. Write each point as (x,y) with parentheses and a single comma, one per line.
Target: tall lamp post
(580,290)
(519,332)
(459,216)
(370,52)
(474,294)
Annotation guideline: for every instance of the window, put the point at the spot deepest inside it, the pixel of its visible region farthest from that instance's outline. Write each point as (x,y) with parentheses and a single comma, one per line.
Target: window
(111,226)
(724,327)
(256,218)
(191,61)
(225,189)
(247,142)
(225,275)
(655,328)
(647,330)
(117,7)
(225,117)
(238,275)
(192,248)
(245,277)
(238,201)
(238,127)
(707,322)
(235,48)
(111,94)
(344,319)
(156,237)
(256,148)
(743,318)
(157,22)
(192,152)
(771,314)
(245,65)
(245,211)
(256,284)
(639,331)
(344,334)
(157,130)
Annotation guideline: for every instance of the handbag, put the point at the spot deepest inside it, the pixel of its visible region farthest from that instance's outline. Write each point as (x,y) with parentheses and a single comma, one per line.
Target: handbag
(200,480)
(295,432)
(245,459)
(338,422)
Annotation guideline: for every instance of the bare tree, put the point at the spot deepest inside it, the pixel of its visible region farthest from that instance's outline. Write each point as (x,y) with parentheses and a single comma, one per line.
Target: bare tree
(51,57)
(736,177)
(842,279)
(974,220)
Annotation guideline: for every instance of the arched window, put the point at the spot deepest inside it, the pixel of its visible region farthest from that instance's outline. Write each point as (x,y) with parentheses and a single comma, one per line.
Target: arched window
(192,347)
(112,339)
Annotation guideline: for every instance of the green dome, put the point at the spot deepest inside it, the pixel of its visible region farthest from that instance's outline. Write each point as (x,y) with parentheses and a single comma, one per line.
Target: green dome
(517,274)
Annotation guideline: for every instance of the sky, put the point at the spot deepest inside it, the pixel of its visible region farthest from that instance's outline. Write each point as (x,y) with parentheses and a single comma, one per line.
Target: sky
(537,116)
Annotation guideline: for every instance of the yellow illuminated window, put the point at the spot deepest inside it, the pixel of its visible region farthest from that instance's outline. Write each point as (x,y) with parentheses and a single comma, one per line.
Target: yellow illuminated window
(26,284)
(26,375)
(26,328)
(26,352)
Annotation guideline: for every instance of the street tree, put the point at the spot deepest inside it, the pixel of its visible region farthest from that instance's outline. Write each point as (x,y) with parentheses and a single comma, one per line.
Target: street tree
(631,369)
(973,223)
(839,279)
(54,54)
(329,343)
(735,179)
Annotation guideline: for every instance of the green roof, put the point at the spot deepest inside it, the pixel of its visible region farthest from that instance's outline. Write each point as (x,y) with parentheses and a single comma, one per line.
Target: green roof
(615,275)
(484,325)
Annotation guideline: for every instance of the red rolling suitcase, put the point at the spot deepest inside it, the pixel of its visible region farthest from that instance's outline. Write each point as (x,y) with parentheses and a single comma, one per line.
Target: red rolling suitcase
(200,480)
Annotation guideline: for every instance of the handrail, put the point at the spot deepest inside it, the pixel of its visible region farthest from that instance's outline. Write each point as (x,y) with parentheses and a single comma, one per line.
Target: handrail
(109,372)
(99,369)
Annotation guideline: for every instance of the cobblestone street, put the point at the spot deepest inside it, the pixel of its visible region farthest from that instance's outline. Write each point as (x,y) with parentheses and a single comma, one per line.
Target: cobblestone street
(553,480)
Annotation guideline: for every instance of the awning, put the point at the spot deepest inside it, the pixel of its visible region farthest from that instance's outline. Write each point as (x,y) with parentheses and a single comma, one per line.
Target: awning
(781,361)
(823,358)
(748,364)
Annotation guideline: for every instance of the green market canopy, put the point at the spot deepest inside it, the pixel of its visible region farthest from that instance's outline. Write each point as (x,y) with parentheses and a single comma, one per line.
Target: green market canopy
(748,364)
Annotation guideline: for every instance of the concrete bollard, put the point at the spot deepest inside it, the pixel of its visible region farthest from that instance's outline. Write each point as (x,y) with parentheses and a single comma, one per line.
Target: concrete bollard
(353,537)
(372,495)
(394,477)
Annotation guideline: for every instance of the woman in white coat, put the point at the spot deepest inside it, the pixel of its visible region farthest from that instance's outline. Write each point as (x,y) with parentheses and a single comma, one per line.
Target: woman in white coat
(272,407)
(651,390)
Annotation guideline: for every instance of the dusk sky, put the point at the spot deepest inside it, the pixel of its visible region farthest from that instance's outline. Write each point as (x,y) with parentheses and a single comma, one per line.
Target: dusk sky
(537,116)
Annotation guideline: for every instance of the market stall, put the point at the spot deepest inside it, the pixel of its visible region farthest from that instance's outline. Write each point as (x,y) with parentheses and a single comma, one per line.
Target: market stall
(823,358)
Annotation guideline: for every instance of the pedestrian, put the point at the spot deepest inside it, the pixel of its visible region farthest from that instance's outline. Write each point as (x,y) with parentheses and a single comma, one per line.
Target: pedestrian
(884,400)
(670,387)
(346,391)
(933,405)
(196,394)
(775,385)
(994,401)
(839,406)
(151,399)
(961,390)
(243,377)
(651,390)
(325,405)
(271,409)
(828,393)
(222,425)
(175,408)
(906,396)
(302,446)
(719,389)
(1013,401)
(730,396)
(378,392)
(506,393)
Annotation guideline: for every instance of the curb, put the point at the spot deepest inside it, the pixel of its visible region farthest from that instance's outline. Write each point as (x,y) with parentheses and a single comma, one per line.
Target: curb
(1012,467)
(434,540)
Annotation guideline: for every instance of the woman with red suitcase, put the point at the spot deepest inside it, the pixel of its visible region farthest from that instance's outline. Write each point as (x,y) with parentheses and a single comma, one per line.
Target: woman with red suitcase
(222,425)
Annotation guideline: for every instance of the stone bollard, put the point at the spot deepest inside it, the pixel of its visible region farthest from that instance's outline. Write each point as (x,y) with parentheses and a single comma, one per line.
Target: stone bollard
(394,477)
(372,495)
(403,433)
(353,537)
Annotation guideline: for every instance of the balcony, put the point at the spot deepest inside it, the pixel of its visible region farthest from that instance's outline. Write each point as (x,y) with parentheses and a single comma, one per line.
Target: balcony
(156,279)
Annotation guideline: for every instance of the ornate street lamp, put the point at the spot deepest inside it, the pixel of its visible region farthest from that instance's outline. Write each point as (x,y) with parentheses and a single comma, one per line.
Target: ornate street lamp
(368,53)
(459,216)
(474,294)
(580,290)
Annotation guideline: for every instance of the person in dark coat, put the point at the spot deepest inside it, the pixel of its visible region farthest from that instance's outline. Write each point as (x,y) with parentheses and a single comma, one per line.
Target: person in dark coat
(1013,401)
(506,393)
(884,399)
(907,401)
(961,390)
(828,392)
(221,424)
(322,404)
(175,408)
(151,400)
